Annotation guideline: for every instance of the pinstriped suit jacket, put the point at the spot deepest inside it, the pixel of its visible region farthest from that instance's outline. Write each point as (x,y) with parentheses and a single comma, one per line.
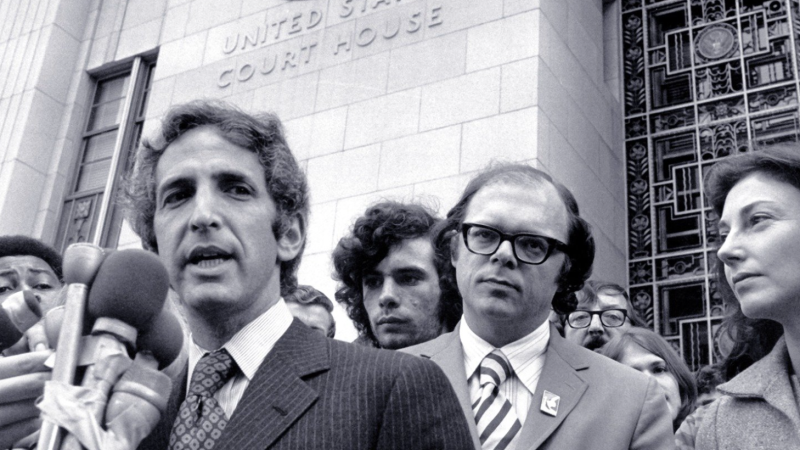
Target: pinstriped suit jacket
(312,392)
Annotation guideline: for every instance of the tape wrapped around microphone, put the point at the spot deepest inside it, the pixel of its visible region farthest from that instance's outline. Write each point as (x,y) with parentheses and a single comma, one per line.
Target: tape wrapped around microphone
(136,404)
(72,407)
(127,294)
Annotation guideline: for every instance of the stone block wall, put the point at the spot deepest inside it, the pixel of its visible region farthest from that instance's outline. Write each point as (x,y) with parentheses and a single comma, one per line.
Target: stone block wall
(380,98)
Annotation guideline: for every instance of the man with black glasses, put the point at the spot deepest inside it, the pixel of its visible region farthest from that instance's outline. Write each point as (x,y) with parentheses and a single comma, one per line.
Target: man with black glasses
(603,313)
(518,247)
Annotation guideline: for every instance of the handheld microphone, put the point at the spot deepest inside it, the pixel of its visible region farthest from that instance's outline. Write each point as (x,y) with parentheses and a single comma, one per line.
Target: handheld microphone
(19,312)
(127,294)
(137,403)
(163,342)
(81,263)
(140,397)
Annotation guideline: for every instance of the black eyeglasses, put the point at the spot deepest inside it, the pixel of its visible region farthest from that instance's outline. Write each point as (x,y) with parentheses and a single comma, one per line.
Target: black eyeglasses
(528,248)
(611,318)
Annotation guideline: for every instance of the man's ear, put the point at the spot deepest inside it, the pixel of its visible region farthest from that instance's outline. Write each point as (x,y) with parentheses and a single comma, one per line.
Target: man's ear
(290,243)
(453,247)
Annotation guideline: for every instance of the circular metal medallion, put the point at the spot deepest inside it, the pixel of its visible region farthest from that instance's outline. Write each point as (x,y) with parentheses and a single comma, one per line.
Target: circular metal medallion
(716,41)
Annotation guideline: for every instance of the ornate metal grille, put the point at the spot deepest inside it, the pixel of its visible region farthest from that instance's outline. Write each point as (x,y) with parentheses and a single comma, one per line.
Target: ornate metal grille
(702,79)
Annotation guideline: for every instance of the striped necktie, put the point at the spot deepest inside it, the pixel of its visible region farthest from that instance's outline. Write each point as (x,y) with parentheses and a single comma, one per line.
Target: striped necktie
(201,420)
(494,415)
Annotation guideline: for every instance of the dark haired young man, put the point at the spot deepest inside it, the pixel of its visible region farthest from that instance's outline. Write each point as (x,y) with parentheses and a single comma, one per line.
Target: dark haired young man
(390,277)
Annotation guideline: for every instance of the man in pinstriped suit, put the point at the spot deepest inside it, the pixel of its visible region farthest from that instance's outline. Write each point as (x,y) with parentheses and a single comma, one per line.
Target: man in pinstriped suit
(221,199)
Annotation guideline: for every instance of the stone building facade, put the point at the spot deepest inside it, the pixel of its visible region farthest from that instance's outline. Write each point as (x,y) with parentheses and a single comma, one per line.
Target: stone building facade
(402,99)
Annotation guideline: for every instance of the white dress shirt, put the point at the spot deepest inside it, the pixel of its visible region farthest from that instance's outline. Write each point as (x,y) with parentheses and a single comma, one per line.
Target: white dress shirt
(248,347)
(526,356)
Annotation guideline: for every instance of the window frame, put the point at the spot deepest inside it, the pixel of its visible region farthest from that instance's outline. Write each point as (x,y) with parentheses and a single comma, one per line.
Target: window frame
(105,219)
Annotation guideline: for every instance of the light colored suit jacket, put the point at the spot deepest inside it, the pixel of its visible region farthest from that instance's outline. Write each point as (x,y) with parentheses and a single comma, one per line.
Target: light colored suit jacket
(758,408)
(312,392)
(604,405)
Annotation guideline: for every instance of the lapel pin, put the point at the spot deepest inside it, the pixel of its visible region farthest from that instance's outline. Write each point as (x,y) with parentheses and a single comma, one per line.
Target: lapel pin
(550,403)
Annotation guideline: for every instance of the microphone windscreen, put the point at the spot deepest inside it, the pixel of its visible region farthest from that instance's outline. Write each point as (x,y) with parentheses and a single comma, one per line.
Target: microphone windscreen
(131,286)
(81,262)
(9,334)
(164,339)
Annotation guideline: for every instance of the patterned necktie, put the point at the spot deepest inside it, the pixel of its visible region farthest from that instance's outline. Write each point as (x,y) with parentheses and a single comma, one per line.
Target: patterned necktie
(494,415)
(201,419)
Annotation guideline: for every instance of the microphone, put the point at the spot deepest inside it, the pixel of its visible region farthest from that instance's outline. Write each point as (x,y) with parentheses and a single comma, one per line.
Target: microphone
(131,286)
(19,312)
(137,403)
(126,296)
(81,262)
(141,396)
(162,343)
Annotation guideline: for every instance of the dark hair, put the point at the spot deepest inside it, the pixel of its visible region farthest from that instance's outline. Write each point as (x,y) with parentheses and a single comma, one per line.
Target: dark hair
(383,226)
(580,244)
(307,295)
(19,245)
(708,378)
(262,134)
(593,288)
(652,342)
(752,338)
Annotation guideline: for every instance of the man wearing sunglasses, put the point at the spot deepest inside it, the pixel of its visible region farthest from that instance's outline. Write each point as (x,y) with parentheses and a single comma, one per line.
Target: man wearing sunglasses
(604,312)
(518,247)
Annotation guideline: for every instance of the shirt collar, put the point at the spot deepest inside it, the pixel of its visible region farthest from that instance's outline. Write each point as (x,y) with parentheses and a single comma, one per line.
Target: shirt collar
(521,353)
(250,345)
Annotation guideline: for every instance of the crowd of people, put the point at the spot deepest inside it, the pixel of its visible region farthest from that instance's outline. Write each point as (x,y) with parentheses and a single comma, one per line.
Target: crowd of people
(479,330)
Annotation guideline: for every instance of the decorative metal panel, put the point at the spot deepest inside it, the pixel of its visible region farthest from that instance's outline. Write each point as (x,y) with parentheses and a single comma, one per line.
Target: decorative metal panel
(702,79)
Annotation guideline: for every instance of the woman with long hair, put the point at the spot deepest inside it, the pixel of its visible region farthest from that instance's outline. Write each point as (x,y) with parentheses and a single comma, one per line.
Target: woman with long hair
(757,199)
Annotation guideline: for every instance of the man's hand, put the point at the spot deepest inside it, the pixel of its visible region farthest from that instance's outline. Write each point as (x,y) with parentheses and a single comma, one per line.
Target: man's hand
(22,380)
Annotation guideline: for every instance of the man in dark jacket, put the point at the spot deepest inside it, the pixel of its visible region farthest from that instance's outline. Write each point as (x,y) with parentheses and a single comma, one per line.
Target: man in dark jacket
(219,196)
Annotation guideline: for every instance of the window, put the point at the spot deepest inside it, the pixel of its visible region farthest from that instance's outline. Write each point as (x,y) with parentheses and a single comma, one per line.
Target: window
(113,128)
